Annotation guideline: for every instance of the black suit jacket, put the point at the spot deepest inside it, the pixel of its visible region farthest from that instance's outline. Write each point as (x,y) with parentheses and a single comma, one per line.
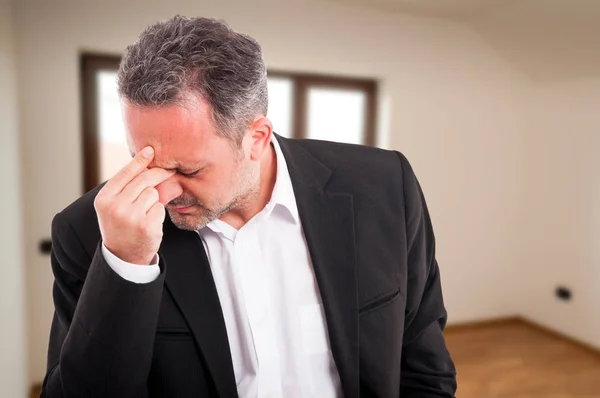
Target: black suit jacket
(372,247)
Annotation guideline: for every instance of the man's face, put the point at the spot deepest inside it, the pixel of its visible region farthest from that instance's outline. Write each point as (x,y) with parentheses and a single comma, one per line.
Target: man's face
(213,175)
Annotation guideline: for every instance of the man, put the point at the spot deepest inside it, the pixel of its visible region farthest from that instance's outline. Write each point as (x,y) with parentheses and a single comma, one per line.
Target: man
(285,268)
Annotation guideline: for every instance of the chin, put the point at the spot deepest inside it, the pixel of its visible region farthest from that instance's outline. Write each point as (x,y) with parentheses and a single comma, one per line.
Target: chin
(188,222)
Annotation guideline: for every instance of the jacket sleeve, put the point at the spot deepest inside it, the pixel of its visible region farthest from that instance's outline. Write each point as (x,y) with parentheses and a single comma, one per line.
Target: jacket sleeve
(427,368)
(103,329)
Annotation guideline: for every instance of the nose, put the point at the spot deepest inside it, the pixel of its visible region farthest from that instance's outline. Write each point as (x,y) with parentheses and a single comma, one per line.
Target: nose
(169,190)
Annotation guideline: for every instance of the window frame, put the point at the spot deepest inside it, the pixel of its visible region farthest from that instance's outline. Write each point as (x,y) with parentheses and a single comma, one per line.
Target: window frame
(303,82)
(90,64)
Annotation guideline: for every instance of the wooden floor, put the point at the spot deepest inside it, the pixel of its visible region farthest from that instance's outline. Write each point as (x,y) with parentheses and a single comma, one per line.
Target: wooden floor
(517,360)
(513,359)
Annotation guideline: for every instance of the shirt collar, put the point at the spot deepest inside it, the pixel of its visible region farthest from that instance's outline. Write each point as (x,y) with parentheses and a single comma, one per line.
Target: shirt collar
(282,195)
(283,191)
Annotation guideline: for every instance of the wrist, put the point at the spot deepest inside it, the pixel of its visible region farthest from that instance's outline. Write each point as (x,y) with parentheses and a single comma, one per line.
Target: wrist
(127,257)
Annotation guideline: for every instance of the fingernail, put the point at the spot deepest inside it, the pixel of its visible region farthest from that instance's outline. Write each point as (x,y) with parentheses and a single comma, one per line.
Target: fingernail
(147,152)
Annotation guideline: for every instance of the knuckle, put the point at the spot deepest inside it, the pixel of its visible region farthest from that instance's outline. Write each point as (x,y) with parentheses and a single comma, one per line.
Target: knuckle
(142,227)
(98,202)
(101,199)
(122,213)
(152,193)
(123,173)
(141,179)
(160,210)
(156,215)
(139,160)
(102,205)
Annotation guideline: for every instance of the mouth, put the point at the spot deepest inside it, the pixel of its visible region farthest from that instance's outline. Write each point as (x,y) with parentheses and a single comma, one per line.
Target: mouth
(181,209)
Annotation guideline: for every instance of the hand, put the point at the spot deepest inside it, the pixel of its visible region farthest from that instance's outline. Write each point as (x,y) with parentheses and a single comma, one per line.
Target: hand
(129,212)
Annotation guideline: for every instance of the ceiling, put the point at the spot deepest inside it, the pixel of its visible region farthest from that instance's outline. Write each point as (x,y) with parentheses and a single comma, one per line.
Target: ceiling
(434,8)
(546,39)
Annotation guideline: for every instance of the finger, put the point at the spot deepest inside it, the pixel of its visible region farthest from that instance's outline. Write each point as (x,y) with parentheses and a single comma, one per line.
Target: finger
(137,165)
(156,213)
(146,200)
(148,178)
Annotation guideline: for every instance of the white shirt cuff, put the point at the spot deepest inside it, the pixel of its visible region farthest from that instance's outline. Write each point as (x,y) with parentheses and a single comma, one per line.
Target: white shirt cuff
(132,272)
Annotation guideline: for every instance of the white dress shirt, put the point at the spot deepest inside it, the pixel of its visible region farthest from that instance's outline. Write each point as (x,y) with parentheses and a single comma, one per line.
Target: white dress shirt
(270,299)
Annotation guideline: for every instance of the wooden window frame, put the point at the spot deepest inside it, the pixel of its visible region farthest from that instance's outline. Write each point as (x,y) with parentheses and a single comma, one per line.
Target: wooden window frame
(90,64)
(302,82)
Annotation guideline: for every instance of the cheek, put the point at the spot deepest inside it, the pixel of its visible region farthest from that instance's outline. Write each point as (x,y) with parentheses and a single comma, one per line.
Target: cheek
(168,190)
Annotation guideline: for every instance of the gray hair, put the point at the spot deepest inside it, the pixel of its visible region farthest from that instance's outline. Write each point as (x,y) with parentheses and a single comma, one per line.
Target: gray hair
(203,56)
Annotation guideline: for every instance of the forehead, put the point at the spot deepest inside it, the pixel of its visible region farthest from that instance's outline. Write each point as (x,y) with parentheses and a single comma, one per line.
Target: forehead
(180,135)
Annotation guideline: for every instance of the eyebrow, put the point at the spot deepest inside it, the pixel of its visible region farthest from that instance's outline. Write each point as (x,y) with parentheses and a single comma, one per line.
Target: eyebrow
(181,167)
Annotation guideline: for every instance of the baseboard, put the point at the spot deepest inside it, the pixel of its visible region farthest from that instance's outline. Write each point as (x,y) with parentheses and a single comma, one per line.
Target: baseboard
(36,390)
(573,341)
(482,324)
(515,320)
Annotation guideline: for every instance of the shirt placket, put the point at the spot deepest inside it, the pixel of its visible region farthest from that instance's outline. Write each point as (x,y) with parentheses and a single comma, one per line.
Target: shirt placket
(253,274)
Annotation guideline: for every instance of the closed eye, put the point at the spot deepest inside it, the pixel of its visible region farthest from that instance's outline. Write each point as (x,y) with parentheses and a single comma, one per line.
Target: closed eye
(192,174)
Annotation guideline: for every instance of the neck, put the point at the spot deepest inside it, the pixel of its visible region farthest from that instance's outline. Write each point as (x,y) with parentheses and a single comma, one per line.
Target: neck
(258,199)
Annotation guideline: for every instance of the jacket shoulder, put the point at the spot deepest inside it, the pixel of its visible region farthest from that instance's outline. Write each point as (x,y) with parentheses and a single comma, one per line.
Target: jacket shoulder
(355,163)
(83,206)
(81,218)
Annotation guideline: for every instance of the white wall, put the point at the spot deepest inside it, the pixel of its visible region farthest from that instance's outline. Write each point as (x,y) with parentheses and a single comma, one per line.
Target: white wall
(13,371)
(563,208)
(454,110)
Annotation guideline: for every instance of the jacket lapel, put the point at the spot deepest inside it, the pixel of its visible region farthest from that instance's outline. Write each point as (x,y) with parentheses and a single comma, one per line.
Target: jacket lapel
(328,224)
(189,280)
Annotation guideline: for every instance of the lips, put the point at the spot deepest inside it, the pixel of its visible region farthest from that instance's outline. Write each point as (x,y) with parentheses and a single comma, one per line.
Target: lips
(181,209)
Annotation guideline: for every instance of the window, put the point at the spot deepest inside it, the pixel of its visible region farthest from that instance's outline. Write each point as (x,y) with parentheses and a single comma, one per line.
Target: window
(300,106)
(323,107)
(104,147)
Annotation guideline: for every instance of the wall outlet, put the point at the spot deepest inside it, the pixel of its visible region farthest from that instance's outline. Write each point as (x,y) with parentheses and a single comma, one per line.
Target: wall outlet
(45,246)
(563,293)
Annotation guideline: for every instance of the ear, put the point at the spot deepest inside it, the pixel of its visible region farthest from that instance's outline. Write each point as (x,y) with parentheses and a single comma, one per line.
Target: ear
(261,132)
